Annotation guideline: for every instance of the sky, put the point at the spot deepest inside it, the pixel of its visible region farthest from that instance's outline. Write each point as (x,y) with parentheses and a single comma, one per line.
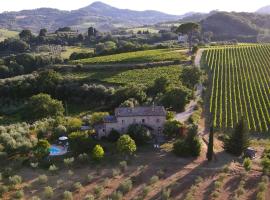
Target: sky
(169,6)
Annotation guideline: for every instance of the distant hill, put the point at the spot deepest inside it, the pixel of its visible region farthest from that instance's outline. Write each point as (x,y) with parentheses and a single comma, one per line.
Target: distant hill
(264,10)
(104,17)
(244,27)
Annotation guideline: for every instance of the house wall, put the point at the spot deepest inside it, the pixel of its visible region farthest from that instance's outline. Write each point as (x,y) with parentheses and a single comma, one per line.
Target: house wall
(155,122)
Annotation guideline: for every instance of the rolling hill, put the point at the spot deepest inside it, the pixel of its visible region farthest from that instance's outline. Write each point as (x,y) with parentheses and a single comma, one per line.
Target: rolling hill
(104,17)
(264,10)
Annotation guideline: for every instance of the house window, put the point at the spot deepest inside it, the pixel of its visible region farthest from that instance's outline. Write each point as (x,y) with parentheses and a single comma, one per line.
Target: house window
(123,121)
(158,120)
(143,120)
(103,130)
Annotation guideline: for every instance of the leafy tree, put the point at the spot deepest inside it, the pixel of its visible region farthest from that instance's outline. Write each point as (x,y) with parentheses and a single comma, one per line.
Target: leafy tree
(48,80)
(73,124)
(97,153)
(4,71)
(92,32)
(210,148)
(26,35)
(14,45)
(188,29)
(42,149)
(98,117)
(160,86)
(126,145)
(176,98)
(80,142)
(42,105)
(190,76)
(130,103)
(28,61)
(172,128)
(113,136)
(189,146)
(237,142)
(43,32)
(139,133)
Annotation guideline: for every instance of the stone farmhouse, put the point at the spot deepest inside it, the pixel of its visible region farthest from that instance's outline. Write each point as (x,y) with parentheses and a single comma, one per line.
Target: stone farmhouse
(152,117)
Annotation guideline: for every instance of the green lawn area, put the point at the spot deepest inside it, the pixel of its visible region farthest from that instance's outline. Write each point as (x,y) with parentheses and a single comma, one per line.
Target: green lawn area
(137,57)
(70,49)
(127,77)
(4,34)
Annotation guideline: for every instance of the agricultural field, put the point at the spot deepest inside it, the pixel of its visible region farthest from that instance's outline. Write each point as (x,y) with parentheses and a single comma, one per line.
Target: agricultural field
(158,55)
(240,86)
(126,77)
(4,34)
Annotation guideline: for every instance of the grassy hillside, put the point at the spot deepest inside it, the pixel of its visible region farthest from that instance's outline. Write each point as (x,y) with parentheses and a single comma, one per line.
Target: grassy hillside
(127,77)
(4,34)
(137,57)
(240,86)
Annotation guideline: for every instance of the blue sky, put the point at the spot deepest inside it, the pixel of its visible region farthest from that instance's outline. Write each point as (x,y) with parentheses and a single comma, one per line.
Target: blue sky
(169,6)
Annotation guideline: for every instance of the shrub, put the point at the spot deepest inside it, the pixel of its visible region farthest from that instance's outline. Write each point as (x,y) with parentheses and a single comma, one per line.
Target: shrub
(77,186)
(115,172)
(89,197)
(83,158)
(217,184)
(98,190)
(15,180)
(160,173)
(67,195)
(260,196)
(35,198)
(215,194)
(154,179)
(189,146)
(145,190)
(42,179)
(80,142)
(59,182)
(247,164)
(126,145)
(123,166)
(165,194)
(262,187)
(117,195)
(126,186)
(53,168)
(18,194)
(265,162)
(89,178)
(113,136)
(172,128)
(68,161)
(48,192)
(70,173)
(34,165)
(97,153)
(3,189)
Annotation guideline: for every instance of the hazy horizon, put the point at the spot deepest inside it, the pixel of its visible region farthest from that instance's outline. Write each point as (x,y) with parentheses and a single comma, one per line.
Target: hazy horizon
(176,7)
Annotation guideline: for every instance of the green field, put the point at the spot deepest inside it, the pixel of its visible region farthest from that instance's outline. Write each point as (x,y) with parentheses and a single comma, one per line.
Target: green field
(137,57)
(240,86)
(4,34)
(127,77)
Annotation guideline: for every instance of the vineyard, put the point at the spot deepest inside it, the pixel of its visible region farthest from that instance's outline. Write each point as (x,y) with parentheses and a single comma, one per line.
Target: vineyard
(126,77)
(145,56)
(240,86)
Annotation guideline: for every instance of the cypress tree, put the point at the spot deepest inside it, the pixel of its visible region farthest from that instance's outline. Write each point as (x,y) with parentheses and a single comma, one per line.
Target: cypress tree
(238,141)
(210,148)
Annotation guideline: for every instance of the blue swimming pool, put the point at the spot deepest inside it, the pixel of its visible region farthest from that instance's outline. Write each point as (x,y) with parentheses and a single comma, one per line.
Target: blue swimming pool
(57,150)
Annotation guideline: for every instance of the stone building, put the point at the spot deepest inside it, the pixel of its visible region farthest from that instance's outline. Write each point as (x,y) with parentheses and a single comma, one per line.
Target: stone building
(152,117)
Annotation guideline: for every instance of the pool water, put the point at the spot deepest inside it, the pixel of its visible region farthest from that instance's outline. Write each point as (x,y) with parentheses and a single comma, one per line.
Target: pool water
(57,150)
